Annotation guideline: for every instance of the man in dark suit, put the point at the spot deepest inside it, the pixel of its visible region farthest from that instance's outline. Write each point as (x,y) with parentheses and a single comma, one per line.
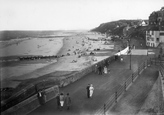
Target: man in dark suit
(88,92)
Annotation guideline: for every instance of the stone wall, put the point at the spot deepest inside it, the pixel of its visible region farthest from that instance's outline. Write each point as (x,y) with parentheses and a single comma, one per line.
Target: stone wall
(31,103)
(161,89)
(77,75)
(154,103)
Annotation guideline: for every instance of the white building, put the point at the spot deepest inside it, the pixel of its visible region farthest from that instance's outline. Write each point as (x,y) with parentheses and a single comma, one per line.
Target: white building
(154,38)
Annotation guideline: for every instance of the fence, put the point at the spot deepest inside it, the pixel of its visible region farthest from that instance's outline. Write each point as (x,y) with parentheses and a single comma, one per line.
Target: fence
(118,93)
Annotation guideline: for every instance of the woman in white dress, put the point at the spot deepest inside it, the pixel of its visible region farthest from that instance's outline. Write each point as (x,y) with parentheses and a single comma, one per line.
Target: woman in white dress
(61,100)
(105,70)
(91,89)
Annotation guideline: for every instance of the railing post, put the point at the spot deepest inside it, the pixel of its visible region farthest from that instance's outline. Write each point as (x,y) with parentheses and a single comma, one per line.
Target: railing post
(104,109)
(125,86)
(132,77)
(116,97)
(145,64)
(138,70)
(150,61)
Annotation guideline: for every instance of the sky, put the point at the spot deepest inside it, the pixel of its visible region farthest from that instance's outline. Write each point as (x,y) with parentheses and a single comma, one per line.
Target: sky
(71,14)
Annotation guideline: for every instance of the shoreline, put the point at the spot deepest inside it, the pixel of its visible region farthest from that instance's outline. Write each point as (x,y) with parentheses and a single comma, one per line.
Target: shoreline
(65,63)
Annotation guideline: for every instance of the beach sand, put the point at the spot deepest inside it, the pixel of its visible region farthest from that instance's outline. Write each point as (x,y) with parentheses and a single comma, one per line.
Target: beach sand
(73,48)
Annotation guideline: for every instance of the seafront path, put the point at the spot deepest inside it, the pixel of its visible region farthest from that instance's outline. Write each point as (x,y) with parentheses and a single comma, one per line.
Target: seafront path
(105,85)
(135,97)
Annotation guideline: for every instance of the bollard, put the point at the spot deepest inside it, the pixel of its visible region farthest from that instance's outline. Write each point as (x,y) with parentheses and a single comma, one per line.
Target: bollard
(104,109)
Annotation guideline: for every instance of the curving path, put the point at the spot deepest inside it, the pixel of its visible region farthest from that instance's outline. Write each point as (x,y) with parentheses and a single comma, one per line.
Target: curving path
(104,86)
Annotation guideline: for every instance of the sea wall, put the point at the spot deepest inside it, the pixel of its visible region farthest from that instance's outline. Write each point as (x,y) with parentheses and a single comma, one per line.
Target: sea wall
(32,102)
(77,75)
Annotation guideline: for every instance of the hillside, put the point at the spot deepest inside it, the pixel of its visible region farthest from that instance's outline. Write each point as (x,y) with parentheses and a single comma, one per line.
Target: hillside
(130,28)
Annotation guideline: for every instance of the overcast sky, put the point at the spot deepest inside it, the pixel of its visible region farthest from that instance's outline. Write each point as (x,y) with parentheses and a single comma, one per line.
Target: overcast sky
(71,14)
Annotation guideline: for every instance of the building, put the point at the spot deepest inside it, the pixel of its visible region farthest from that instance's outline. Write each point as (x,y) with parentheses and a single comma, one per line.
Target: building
(155,32)
(142,23)
(154,37)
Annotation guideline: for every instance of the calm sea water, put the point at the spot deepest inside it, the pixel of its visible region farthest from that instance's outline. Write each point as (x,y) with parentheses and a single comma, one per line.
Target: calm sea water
(8,35)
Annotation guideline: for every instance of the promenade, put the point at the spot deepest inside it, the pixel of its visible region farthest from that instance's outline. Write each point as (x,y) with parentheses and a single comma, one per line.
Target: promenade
(132,101)
(105,86)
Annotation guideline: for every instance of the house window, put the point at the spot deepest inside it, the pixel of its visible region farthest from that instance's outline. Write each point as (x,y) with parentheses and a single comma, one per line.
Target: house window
(152,32)
(157,39)
(161,34)
(152,39)
(148,44)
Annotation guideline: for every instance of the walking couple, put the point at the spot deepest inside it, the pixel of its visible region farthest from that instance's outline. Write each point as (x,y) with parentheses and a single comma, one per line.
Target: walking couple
(61,100)
(90,90)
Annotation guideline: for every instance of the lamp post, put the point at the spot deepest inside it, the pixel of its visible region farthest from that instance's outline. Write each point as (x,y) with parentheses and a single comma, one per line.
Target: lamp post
(129,54)
(130,58)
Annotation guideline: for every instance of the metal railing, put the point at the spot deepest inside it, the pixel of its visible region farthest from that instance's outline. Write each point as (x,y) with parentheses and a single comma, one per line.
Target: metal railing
(118,93)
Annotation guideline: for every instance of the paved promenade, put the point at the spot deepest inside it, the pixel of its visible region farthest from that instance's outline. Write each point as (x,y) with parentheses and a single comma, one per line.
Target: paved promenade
(105,86)
(132,101)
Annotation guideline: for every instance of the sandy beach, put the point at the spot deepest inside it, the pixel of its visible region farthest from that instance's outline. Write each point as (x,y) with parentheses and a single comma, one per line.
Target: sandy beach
(75,49)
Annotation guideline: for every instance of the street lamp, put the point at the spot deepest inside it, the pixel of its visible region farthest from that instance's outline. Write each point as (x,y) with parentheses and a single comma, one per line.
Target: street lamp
(130,59)
(129,54)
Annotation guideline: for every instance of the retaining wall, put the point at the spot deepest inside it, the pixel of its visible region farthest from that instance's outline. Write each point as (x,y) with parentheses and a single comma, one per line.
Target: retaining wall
(161,88)
(31,103)
(76,76)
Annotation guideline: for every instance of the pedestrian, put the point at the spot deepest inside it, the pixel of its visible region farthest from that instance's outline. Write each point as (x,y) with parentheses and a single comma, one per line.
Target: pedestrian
(41,97)
(96,67)
(88,92)
(105,70)
(61,100)
(121,58)
(91,89)
(68,101)
(58,101)
(100,70)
